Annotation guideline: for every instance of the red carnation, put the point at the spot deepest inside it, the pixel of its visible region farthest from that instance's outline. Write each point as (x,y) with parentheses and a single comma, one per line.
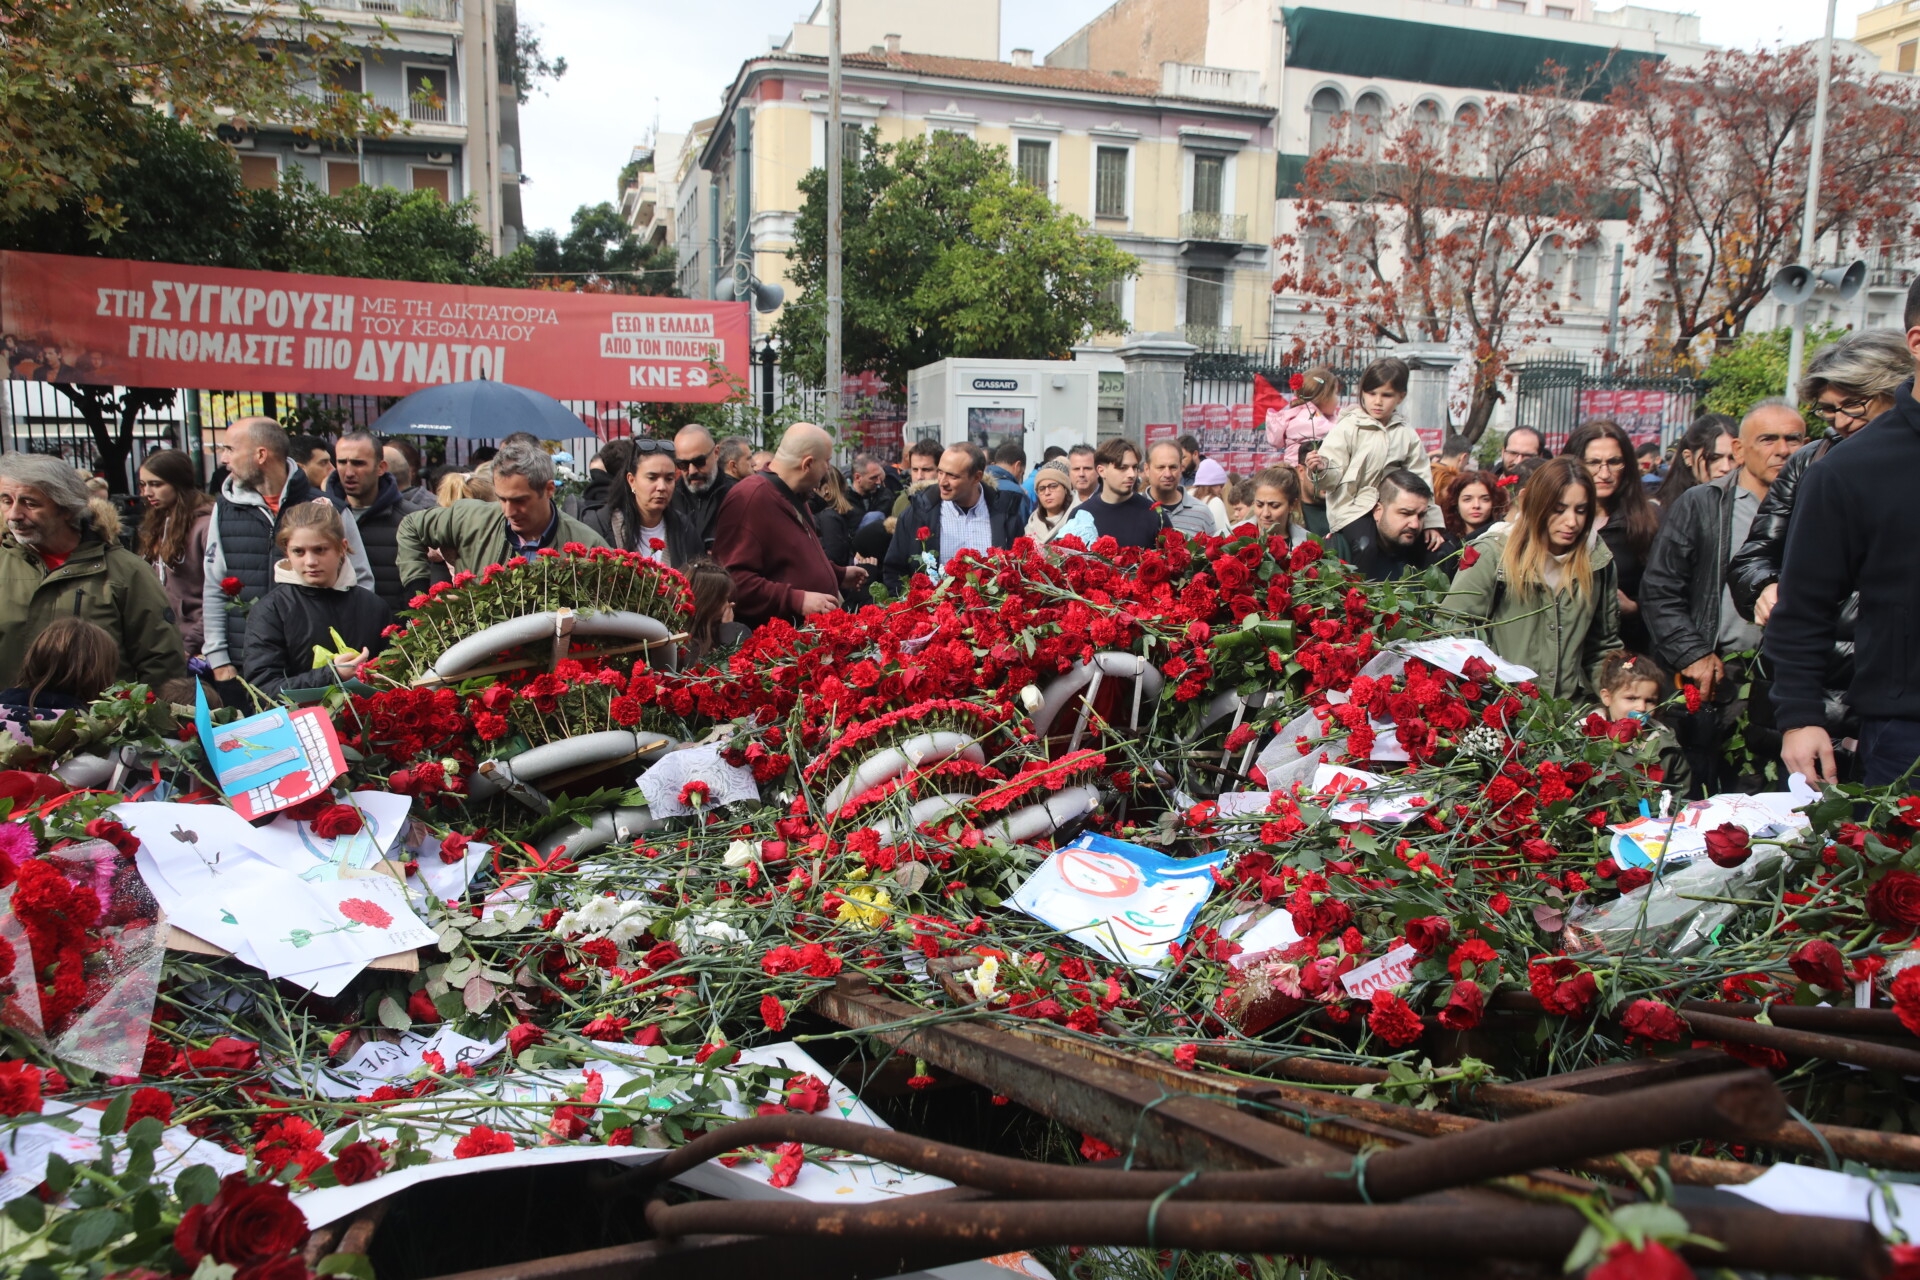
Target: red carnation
(1465,1007)
(231,586)
(482,1141)
(1692,693)
(420,1007)
(157,1103)
(361,911)
(1296,382)
(1894,899)
(19,1088)
(1819,963)
(695,793)
(772,1013)
(358,1162)
(1653,1020)
(788,1166)
(337,820)
(1728,845)
(1906,998)
(1394,1020)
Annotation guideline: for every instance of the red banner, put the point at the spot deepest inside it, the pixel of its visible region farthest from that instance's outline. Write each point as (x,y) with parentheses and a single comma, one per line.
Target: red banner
(147,324)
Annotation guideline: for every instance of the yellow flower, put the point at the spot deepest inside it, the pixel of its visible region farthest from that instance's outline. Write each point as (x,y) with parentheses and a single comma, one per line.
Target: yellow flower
(865,906)
(341,651)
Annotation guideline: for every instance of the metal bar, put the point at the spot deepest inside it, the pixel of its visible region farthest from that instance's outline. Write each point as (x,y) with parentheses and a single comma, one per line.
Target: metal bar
(835,178)
(1805,1044)
(1618,1077)
(702,1257)
(1750,1237)
(1859,1022)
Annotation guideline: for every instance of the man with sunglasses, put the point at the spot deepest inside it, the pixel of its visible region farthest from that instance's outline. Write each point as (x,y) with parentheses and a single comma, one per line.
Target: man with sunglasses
(702,487)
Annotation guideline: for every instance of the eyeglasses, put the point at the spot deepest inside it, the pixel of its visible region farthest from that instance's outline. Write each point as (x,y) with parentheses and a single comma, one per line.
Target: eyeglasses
(693,464)
(1854,408)
(1605,464)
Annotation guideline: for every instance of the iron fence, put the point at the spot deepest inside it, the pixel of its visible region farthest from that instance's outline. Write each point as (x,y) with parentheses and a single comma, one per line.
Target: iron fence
(1556,396)
(1223,374)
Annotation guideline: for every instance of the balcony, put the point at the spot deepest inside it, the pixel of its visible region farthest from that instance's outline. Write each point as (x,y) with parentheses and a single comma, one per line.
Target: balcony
(421,108)
(1215,84)
(1228,227)
(1211,337)
(398,10)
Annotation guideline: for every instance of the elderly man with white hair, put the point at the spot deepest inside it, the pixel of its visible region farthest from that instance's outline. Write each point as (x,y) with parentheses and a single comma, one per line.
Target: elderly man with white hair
(55,564)
(765,536)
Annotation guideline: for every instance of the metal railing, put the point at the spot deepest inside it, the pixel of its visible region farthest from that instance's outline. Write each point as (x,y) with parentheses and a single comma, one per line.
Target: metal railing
(420,10)
(420,108)
(1196,225)
(1211,335)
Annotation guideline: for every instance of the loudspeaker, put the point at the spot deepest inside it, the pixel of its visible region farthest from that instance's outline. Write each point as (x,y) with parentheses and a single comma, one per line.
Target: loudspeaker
(1792,285)
(1846,281)
(767,297)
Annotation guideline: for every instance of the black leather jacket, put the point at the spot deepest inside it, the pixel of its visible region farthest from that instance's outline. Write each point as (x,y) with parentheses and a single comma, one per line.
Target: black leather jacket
(1680,593)
(1756,566)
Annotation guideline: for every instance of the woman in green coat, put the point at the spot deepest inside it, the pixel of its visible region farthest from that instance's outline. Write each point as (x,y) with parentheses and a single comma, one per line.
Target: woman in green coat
(1540,589)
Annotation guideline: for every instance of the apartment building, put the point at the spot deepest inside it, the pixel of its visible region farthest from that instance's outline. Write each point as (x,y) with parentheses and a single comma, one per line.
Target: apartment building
(648,200)
(444,68)
(1892,33)
(1175,167)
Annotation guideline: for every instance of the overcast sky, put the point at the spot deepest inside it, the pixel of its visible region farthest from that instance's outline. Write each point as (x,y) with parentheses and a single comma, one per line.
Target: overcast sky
(632,62)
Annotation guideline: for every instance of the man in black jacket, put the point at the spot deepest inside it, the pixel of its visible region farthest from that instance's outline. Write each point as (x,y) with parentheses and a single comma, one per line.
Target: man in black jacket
(960,513)
(697,495)
(1855,528)
(1683,595)
(361,489)
(1388,542)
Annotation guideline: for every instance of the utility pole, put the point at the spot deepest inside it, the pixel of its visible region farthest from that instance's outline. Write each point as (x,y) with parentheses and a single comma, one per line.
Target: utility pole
(834,358)
(1797,347)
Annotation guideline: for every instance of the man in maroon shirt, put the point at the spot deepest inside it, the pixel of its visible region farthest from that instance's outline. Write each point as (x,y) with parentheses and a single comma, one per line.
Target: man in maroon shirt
(764,534)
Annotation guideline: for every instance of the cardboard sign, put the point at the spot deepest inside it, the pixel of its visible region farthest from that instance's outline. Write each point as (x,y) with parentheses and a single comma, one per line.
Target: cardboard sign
(271,761)
(1383,974)
(1124,900)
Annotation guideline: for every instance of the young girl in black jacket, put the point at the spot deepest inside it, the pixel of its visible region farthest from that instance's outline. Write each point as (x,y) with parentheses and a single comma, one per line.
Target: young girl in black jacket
(313,597)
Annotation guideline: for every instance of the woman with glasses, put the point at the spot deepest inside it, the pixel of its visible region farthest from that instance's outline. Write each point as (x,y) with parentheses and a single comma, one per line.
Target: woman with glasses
(1627,519)
(634,517)
(1848,385)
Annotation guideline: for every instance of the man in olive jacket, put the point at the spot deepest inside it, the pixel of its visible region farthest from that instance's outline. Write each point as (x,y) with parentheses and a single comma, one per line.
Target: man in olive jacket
(470,534)
(54,564)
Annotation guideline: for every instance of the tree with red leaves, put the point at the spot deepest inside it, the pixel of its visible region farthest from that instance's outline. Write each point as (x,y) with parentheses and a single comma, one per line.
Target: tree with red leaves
(1415,231)
(1718,151)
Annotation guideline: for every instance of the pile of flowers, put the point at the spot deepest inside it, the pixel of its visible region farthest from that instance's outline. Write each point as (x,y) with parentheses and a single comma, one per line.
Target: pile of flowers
(713,932)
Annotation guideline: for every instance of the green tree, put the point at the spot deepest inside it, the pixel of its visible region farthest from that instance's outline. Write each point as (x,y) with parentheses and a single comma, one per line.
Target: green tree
(1755,367)
(523,63)
(601,252)
(947,254)
(74,75)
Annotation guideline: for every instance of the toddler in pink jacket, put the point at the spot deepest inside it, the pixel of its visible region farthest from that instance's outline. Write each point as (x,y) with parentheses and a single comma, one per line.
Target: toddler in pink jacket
(1310,416)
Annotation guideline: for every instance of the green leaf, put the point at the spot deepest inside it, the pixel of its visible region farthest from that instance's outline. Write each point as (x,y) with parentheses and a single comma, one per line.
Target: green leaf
(1650,1221)
(95,1228)
(115,1117)
(393,1015)
(197,1185)
(145,1134)
(27,1212)
(59,1174)
(356,1265)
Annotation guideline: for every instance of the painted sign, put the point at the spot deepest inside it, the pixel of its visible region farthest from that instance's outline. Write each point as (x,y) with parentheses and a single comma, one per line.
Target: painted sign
(1123,900)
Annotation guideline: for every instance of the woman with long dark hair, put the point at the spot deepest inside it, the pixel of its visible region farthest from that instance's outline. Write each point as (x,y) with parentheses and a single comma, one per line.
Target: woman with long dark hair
(1705,453)
(173,536)
(1471,503)
(1541,589)
(634,516)
(1627,519)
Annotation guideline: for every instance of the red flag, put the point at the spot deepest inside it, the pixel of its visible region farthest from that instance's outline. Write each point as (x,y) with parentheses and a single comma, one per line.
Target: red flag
(1266,399)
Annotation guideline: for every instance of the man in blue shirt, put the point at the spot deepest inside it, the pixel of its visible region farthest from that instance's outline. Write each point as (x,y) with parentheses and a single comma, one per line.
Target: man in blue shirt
(959,513)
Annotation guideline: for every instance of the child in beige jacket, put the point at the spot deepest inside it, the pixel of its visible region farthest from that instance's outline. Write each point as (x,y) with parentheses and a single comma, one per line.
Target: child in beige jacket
(1367,441)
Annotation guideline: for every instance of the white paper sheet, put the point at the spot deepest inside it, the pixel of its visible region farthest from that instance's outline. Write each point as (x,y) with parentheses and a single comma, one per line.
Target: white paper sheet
(1798,1188)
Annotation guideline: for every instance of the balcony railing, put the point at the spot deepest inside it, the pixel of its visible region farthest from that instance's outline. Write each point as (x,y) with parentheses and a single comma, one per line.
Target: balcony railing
(419,108)
(1211,336)
(1214,226)
(400,10)
(1219,84)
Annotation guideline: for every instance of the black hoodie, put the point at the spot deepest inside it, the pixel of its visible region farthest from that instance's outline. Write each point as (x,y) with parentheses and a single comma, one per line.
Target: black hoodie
(379,527)
(1855,527)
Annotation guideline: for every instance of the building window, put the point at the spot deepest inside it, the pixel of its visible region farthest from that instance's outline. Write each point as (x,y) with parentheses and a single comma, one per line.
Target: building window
(1206,297)
(1110,182)
(1115,295)
(1585,284)
(1905,61)
(1511,6)
(262,173)
(427,94)
(1560,12)
(1428,119)
(429,178)
(1321,115)
(342,174)
(1209,182)
(1369,118)
(852,139)
(1036,163)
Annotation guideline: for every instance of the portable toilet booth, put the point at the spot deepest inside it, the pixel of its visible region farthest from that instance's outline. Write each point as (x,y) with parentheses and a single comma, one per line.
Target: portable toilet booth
(1032,403)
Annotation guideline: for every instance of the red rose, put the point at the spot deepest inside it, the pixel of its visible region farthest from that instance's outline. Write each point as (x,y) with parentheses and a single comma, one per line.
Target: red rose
(1894,899)
(1632,878)
(337,820)
(1820,964)
(358,1162)
(1728,845)
(231,586)
(420,1007)
(923,533)
(1469,557)
(1465,1007)
(1655,1262)
(453,848)
(1653,1020)
(788,1166)
(523,1035)
(287,1268)
(807,1093)
(247,1223)
(225,1054)
(1428,934)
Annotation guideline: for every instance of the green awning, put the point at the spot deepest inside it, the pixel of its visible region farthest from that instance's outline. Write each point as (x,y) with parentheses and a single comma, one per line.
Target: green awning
(1356,44)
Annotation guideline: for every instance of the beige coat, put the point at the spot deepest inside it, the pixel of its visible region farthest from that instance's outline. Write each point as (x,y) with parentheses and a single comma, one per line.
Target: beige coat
(1358,452)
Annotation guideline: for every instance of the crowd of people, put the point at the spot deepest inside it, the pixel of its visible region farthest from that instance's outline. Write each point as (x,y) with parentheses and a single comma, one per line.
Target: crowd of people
(1623,576)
